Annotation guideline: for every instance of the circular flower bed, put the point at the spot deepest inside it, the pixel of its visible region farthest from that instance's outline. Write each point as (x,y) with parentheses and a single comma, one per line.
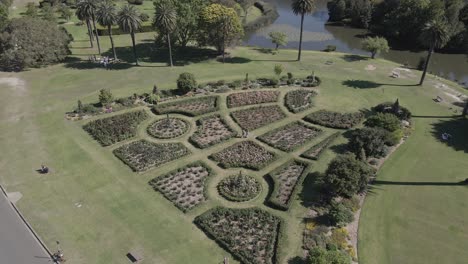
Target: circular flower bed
(168,128)
(239,188)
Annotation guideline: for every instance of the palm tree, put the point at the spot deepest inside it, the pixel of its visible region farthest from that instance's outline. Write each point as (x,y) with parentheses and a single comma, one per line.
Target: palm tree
(107,17)
(165,21)
(88,9)
(129,21)
(436,34)
(302,7)
(83,16)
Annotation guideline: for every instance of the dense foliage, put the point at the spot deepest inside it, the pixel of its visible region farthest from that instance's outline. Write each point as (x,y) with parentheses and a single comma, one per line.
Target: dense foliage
(375,45)
(185,187)
(143,155)
(239,188)
(186,82)
(191,107)
(32,42)
(245,154)
(323,256)
(110,130)
(291,136)
(285,179)
(299,100)
(335,119)
(251,234)
(369,142)
(386,121)
(347,176)
(394,108)
(317,150)
(340,215)
(256,117)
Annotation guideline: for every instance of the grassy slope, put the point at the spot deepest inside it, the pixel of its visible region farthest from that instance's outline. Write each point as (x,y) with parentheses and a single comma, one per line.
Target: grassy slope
(120,211)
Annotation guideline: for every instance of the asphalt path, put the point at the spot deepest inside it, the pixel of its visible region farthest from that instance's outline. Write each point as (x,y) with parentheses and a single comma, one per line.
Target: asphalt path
(17,244)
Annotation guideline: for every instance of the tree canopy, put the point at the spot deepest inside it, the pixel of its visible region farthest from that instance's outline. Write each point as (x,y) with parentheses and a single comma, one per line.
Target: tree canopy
(32,42)
(375,45)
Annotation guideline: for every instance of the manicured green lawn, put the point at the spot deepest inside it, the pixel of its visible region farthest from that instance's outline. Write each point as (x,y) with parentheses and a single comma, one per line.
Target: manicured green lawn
(120,212)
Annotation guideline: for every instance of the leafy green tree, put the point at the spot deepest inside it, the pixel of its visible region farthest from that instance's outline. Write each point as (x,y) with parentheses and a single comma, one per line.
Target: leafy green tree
(87,9)
(361,12)
(129,21)
(369,142)
(3,16)
(65,12)
(278,69)
(186,82)
(165,21)
(105,97)
(336,10)
(302,7)
(32,42)
(375,45)
(31,10)
(278,38)
(48,13)
(347,176)
(436,35)
(107,17)
(387,121)
(221,27)
(339,215)
(322,256)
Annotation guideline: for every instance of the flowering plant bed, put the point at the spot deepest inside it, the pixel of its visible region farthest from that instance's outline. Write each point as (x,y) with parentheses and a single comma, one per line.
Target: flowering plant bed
(291,136)
(191,107)
(245,154)
(251,98)
(251,235)
(316,151)
(256,117)
(110,130)
(211,130)
(184,187)
(239,188)
(335,119)
(168,128)
(143,155)
(299,100)
(285,180)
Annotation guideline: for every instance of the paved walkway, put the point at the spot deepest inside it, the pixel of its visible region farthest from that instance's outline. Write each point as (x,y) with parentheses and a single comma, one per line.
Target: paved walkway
(17,243)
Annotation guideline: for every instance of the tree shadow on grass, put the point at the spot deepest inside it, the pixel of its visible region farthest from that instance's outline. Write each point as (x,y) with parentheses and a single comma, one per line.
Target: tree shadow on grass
(235,60)
(297,260)
(264,50)
(364,84)
(312,191)
(460,183)
(79,64)
(457,127)
(353,57)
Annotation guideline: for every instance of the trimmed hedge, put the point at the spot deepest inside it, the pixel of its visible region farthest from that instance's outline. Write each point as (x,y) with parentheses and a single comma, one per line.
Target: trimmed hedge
(251,235)
(190,107)
(172,195)
(315,152)
(334,119)
(272,199)
(110,130)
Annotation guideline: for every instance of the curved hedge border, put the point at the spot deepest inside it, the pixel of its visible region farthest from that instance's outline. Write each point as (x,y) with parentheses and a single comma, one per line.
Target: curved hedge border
(153,183)
(153,134)
(320,147)
(234,198)
(271,200)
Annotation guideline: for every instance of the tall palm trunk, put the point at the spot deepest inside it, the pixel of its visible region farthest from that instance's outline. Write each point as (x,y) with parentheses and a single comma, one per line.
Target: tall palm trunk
(90,33)
(426,65)
(300,38)
(109,28)
(170,48)
(97,37)
(132,34)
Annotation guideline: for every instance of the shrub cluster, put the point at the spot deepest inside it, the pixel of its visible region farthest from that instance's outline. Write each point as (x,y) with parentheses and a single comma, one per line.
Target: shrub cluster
(317,150)
(393,108)
(184,187)
(256,117)
(239,188)
(251,98)
(340,215)
(291,136)
(369,142)
(285,180)
(251,234)
(190,107)
(186,82)
(386,121)
(143,155)
(245,154)
(311,81)
(211,130)
(110,130)
(335,119)
(299,100)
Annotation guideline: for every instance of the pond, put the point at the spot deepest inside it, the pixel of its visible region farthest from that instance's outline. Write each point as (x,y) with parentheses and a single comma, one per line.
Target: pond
(317,36)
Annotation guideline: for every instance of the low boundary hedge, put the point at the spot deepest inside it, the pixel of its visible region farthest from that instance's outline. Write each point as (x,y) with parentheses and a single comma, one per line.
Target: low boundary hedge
(316,151)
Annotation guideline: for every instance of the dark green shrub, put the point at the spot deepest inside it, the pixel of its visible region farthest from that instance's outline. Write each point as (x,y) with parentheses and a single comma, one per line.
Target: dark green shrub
(394,108)
(352,203)
(339,215)
(369,142)
(322,256)
(105,97)
(186,82)
(135,2)
(386,121)
(330,48)
(299,100)
(347,176)
(126,101)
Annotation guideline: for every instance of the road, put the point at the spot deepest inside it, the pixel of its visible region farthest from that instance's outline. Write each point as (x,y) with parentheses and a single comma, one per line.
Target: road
(17,243)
